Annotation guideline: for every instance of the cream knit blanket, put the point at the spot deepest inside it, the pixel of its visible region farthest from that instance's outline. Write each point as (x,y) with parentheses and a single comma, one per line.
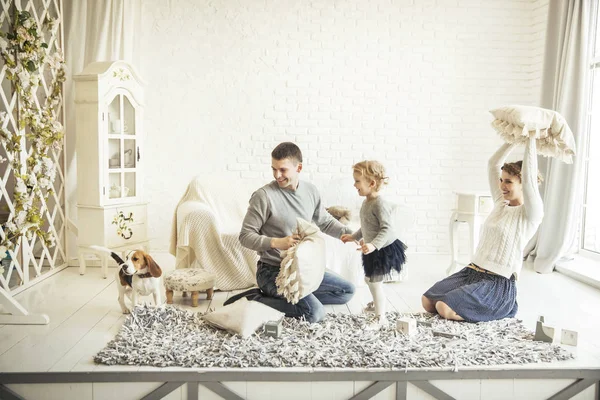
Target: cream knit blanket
(205,230)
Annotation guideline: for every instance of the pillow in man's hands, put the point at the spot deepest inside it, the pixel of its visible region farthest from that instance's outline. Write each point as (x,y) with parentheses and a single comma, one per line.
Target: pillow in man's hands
(517,123)
(303,265)
(243,317)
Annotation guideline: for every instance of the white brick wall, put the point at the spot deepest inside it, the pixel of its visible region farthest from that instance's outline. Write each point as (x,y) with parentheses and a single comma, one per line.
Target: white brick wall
(406,82)
(538,36)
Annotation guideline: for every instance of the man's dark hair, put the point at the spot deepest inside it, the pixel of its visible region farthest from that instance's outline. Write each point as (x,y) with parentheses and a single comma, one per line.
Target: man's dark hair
(287,150)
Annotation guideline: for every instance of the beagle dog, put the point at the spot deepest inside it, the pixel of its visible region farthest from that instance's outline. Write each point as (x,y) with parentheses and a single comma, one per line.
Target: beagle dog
(138,275)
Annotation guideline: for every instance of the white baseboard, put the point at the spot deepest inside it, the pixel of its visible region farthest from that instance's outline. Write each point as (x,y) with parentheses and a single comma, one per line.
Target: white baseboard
(582,269)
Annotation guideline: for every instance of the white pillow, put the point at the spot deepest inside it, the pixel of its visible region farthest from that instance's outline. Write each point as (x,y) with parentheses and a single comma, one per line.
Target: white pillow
(243,317)
(554,137)
(303,265)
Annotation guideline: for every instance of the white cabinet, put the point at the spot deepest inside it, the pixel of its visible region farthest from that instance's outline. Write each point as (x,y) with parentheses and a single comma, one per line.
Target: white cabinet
(109,102)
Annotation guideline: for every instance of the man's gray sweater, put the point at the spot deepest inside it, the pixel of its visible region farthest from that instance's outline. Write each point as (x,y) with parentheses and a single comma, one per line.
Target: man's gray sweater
(273,211)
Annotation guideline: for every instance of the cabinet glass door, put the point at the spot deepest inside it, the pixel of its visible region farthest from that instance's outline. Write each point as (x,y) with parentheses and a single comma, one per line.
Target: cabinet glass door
(129,120)
(123,150)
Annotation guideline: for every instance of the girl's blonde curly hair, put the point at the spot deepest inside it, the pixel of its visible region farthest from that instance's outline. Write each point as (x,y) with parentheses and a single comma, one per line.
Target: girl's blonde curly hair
(372,170)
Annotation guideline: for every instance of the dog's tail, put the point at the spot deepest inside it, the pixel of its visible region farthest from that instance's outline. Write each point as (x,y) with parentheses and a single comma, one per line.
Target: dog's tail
(114,255)
(102,249)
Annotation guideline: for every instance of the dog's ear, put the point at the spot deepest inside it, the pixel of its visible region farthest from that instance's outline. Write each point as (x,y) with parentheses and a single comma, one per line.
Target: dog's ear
(123,278)
(153,267)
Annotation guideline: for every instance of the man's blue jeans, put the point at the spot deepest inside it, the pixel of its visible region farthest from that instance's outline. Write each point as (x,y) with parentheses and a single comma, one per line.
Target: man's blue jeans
(333,290)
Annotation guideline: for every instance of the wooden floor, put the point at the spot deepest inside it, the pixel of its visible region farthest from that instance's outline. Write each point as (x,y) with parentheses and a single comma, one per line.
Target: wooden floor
(84,315)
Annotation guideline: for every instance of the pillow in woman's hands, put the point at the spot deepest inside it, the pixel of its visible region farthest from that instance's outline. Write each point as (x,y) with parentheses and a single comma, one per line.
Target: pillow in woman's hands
(517,123)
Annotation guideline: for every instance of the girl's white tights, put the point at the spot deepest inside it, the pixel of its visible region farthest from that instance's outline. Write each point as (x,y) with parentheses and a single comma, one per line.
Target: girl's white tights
(379,300)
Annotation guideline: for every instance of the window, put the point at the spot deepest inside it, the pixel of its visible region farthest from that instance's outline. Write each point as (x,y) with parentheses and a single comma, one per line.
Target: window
(590,238)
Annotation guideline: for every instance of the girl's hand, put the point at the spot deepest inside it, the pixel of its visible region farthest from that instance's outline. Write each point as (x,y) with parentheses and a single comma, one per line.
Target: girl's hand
(366,247)
(346,238)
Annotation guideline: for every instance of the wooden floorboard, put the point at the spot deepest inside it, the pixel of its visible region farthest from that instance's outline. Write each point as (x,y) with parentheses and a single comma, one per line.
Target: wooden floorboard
(85,315)
(60,297)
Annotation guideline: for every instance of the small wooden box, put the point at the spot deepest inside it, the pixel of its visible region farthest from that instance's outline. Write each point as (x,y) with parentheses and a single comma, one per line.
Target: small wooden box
(273,329)
(568,337)
(407,326)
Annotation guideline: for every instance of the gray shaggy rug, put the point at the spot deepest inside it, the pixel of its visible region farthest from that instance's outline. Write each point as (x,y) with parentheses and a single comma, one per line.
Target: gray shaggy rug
(169,336)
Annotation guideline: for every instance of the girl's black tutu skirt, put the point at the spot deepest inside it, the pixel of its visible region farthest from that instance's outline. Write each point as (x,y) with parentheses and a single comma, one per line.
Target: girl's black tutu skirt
(379,264)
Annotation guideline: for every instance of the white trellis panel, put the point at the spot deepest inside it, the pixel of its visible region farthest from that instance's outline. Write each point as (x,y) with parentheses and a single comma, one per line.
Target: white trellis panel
(31,260)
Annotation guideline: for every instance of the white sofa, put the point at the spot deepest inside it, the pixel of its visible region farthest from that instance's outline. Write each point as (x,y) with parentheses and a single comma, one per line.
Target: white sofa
(208,220)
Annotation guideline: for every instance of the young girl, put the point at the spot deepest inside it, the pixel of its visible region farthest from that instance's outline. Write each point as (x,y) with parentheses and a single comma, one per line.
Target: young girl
(382,251)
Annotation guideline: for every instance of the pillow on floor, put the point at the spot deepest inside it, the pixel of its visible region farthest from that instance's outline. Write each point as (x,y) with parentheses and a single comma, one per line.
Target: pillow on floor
(517,123)
(303,265)
(243,317)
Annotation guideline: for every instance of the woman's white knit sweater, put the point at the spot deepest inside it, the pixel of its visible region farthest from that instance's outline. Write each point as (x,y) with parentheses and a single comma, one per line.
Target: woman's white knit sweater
(507,229)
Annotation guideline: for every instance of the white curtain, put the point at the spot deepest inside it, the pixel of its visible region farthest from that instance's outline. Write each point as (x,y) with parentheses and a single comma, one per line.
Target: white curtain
(95,30)
(564,86)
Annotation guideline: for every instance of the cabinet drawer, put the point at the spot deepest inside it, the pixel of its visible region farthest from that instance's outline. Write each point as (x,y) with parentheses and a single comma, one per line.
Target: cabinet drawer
(486,204)
(138,211)
(139,234)
(474,203)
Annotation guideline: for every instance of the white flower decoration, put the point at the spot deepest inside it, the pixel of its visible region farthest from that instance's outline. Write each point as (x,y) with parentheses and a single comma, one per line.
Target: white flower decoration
(21,218)
(20,187)
(37,121)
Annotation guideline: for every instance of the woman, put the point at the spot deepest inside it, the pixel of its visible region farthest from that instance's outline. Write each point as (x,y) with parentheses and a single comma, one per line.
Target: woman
(485,289)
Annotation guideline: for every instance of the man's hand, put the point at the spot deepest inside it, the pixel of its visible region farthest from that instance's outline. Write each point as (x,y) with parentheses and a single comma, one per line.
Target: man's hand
(346,238)
(285,243)
(366,248)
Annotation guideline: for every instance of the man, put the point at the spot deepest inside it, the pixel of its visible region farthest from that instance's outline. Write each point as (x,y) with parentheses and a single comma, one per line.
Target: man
(268,226)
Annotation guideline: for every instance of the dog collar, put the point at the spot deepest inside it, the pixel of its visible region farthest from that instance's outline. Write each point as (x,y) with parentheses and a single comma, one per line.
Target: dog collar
(129,278)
